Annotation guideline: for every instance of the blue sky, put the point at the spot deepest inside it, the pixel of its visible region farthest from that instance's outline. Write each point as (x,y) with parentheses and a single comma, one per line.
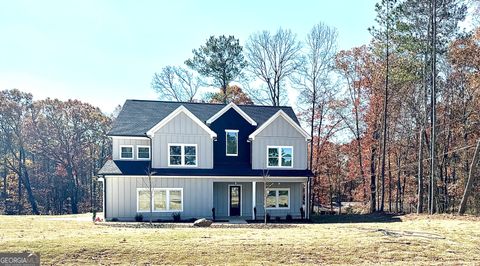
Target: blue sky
(104,52)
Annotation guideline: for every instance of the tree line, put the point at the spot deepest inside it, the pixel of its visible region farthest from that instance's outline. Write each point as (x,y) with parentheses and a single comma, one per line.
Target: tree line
(50,150)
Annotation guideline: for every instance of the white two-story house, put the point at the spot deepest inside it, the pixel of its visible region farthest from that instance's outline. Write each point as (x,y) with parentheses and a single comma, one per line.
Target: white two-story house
(204,160)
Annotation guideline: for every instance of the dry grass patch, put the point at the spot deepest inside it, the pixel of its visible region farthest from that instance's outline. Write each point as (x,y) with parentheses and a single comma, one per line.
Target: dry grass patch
(337,240)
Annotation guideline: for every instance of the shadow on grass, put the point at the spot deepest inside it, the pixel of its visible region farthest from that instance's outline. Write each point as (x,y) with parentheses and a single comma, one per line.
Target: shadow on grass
(356,218)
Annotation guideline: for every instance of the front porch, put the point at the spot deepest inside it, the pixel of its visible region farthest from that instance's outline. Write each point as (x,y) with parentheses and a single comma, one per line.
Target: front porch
(245,200)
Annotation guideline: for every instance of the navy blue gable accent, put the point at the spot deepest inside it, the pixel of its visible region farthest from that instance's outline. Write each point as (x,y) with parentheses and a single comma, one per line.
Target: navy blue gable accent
(231,120)
(140,168)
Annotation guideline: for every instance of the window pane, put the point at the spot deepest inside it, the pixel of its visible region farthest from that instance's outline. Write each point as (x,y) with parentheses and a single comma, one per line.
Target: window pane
(232,142)
(175,160)
(127,152)
(190,150)
(160,200)
(271,199)
(190,160)
(272,161)
(286,161)
(283,198)
(175,150)
(143,152)
(272,152)
(175,200)
(143,200)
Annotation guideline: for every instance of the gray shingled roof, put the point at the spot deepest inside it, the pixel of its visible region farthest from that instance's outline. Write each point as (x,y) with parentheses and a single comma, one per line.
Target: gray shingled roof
(138,116)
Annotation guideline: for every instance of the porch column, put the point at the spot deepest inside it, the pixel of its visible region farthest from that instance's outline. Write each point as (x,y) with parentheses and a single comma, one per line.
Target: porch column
(254,198)
(305,185)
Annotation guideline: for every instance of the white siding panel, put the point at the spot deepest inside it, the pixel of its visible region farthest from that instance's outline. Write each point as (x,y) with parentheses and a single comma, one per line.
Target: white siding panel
(279,133)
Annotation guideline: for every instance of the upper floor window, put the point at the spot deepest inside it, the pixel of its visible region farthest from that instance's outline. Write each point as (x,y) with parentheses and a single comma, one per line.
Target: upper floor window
(279,156)
(143,152)
(231,139)
(182,155)
(126,152)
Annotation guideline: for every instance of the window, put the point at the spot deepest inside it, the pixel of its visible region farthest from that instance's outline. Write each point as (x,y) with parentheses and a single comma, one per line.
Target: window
(163,200)
(143,152)
(280,156)
(278,198)
(143,200)
(231,140)
(126,152)
(182,155)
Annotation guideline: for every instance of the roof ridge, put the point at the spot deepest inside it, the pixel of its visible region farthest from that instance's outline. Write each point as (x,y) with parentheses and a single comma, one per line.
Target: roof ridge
(203,103)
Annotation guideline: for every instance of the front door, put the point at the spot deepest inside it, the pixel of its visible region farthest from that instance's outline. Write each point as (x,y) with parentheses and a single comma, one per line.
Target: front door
(235,194)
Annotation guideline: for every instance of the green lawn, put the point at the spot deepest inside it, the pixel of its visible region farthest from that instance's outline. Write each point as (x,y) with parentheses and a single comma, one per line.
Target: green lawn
(335,240)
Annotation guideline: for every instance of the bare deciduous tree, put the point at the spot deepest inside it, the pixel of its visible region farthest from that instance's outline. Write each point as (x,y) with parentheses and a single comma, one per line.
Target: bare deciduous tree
(176,84)
(313,80)
(272,59)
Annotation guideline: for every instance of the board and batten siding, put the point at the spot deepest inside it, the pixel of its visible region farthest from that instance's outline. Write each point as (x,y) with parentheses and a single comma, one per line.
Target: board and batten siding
(296,199)
(121,197)
(279,133)
(182,130)
(221,199)
(118,141)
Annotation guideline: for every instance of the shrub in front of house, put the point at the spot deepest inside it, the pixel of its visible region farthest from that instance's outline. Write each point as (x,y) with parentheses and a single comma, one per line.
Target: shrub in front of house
(176,216)
(289,218)
(139,217)
(277,219)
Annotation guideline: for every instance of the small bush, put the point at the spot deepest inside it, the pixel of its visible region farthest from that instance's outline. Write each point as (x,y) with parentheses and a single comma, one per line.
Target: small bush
(277,219)
(114,219)
(289,218)
(94,215)
(176,216)
(213,214)
(302,213)
(268,216)
(139,217)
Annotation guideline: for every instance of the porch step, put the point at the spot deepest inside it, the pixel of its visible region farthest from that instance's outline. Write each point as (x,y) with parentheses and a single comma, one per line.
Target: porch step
(237,221)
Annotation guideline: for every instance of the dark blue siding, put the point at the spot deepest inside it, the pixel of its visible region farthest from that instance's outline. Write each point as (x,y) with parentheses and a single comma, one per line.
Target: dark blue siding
(231,120)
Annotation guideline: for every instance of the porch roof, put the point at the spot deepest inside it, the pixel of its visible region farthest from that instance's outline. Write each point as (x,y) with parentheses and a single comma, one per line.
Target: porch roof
(119,167)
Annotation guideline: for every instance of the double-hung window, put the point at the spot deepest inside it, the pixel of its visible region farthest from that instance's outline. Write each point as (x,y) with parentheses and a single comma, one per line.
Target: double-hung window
(162,200)
(279,156)
(231,140)
(278,198)
(126,152)
(182,155)
(143,152)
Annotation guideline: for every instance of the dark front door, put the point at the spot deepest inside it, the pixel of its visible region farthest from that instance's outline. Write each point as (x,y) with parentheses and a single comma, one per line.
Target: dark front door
(235,194)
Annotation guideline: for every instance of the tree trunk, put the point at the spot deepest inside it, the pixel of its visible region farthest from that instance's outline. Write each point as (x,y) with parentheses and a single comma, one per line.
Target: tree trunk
(471,176)
(399,203)
(26,183)
(373,179)
(73,190)
(389,184)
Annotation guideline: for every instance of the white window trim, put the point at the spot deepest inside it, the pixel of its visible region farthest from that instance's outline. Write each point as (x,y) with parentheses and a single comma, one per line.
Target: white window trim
(182,155)
(276,198)
(126,158)
(226,133)
(149,152)
(167,199)
(241,198)
(279,148)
